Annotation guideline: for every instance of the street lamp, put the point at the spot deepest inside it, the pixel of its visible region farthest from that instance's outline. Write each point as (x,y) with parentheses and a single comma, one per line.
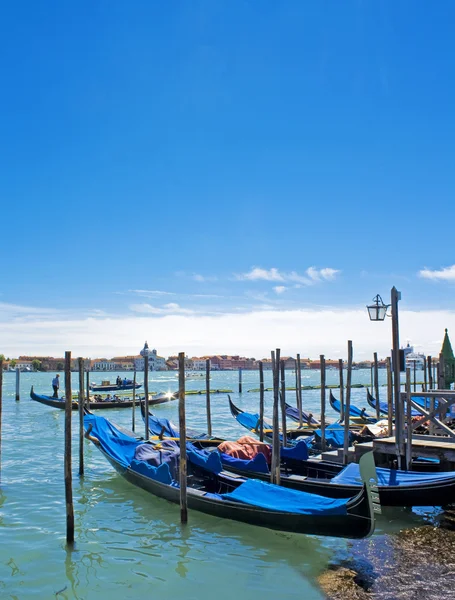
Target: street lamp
(378,312)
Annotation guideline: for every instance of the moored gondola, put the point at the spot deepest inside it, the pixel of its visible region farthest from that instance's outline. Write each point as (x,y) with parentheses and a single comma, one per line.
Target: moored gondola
(251,501)
(357,415)
(60,402)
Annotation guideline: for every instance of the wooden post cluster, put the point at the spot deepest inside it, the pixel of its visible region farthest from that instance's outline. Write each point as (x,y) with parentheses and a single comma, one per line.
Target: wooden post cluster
(299,390)
(348,405)
(261,401)
(18,384)
(207,396)
(133,413)
(146,392)
(376,384)
(67,458)
(80,406)
(283,403)
(275,466)
(340,370)
(322,360)
(182,426)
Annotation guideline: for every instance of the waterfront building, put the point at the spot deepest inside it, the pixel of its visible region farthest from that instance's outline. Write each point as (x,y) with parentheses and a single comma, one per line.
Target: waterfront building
(156,363)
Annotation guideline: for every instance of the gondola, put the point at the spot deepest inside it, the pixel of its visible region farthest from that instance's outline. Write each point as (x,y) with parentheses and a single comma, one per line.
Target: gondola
(251,501)
(307,418)
(356,415)
(113,387)
(251,422)
(396,488)
(60,402)
(383,409)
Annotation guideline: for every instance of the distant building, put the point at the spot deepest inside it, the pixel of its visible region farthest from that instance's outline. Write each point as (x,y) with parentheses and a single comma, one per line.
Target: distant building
(156,363)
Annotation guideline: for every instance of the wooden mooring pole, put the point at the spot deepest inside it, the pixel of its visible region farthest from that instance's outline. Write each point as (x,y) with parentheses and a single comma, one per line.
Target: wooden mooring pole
(240,381)
(340,371)
(283,403)
(261,401)
(146,391)
(182,426)
(425,378)
(299,388)
(275,466)
(430,373)
(415,380)
(207,396)
(88,388)
(348,405)
(371,379)
(1,409)
(376,384)
(389,398)
(408,418)
(67,458)
(322,360)
(133,413)
(80,406)
(18,384)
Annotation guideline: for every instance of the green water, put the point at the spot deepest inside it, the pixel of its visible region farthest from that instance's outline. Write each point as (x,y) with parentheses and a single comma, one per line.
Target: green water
(128,543)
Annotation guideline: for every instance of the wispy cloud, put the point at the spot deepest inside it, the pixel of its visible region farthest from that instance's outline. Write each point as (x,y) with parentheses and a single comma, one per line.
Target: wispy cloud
(168,309)
(151,293)
(444,274)
(280,289)
(203,278)
(311,277)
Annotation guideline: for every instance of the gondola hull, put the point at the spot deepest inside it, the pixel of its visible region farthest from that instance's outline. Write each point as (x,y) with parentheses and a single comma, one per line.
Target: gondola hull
(425,494)
(357,524)
(60,402)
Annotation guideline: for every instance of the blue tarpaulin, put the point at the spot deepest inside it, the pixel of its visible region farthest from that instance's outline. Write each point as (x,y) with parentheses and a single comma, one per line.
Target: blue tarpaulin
(258,464)
(161,473)
(115,443)
(350,475)
(272,497)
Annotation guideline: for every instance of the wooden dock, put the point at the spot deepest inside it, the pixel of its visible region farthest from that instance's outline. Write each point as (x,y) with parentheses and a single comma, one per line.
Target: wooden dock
(422,446)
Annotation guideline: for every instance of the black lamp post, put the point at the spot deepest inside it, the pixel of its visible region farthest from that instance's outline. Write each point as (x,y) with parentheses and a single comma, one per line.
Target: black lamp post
(378,312)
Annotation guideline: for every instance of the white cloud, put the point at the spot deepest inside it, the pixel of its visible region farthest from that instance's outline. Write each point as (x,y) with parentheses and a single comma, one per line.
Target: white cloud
(312,276)
(253,333)
(444,274)
(280,289)
(171,308)
(203,278)
(149,293)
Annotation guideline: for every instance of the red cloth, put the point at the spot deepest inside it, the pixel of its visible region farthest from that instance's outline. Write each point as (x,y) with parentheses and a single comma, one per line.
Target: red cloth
(246,448)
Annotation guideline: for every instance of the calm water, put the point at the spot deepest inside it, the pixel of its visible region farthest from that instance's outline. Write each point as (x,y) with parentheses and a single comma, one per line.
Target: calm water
(129,543)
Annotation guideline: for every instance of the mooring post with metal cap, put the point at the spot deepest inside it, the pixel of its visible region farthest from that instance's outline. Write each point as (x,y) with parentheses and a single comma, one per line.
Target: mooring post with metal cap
(347,408)
(133,414)
(18,384)
(67,459)
(283,403)
(261,401)
(182,425)
(80,406)
(275,470)
(207,396)
(146,391)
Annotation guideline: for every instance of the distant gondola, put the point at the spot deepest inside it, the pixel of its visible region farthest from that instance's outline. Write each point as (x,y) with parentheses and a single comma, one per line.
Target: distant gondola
(60,402)
(383,409)
(307,418)
(355,414)
(252,501)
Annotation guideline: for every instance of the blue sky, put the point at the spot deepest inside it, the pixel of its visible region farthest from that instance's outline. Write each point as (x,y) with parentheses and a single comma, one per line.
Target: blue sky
(240,157)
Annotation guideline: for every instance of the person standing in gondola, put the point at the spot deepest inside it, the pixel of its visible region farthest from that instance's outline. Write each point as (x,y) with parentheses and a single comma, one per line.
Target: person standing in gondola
(56,385)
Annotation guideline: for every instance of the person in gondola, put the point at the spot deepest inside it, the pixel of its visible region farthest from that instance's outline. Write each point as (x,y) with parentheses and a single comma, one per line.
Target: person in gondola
(56,385)
(119,381)
(362,413)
